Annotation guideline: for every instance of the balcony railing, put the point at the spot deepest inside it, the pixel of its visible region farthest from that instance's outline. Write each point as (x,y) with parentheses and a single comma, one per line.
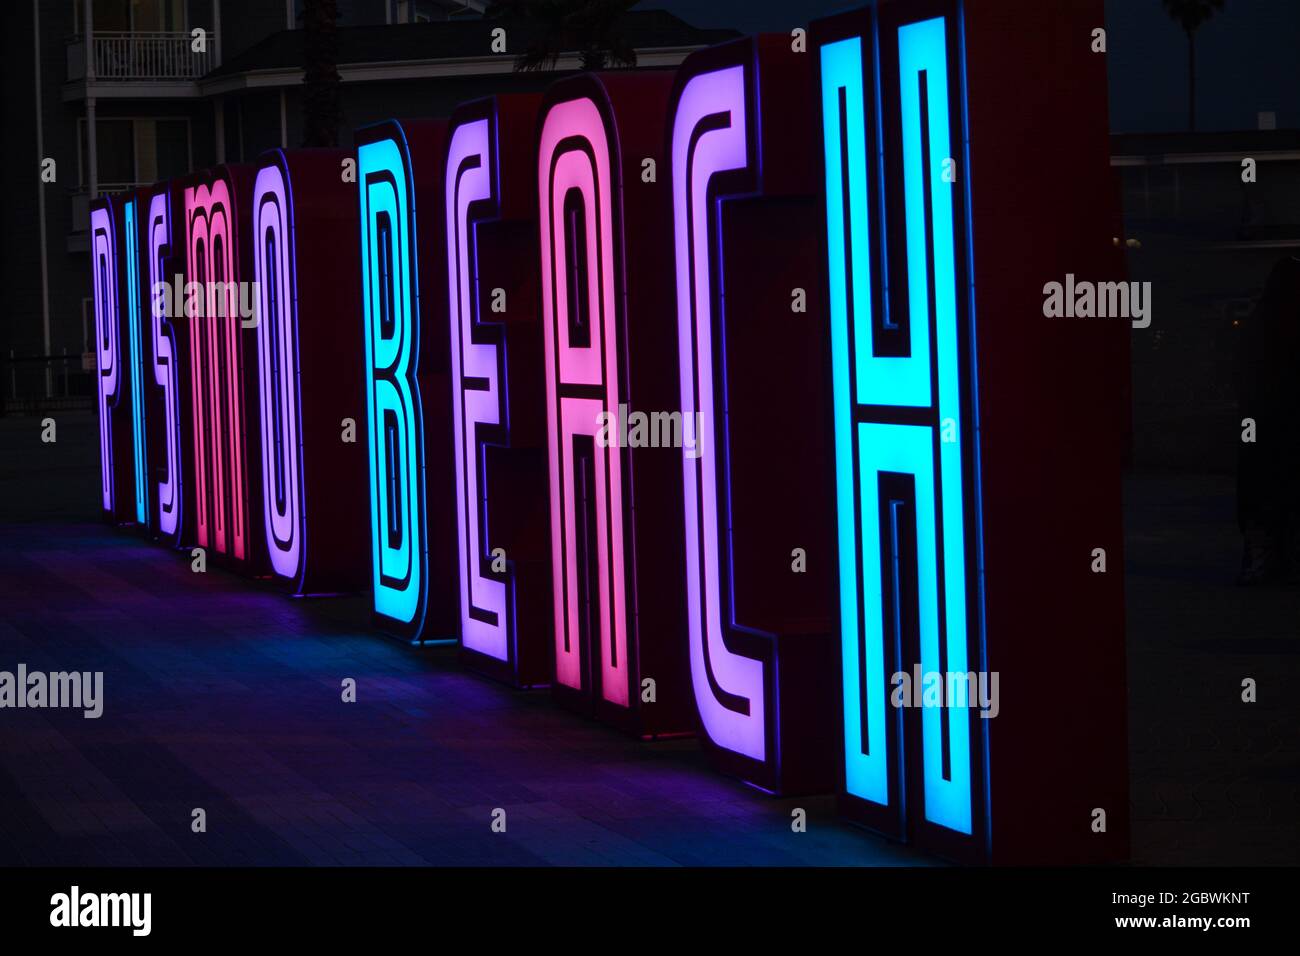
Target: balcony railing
(140,56)
(30,383)
(81,207)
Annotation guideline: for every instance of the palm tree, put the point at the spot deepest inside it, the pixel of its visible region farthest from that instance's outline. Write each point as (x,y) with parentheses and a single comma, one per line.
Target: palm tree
(555,27)
(1190,14)
(322,112)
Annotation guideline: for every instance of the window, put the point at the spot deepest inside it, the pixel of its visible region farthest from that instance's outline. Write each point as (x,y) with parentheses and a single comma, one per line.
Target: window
(415,11)
(135,150)
(140,16)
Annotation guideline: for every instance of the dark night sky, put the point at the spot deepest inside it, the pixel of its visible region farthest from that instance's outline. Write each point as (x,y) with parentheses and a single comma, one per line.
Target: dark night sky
(1248,56)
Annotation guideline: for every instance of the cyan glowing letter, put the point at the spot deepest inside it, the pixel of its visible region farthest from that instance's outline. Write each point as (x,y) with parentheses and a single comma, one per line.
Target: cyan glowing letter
(898,418)
(136,374)
(395,430)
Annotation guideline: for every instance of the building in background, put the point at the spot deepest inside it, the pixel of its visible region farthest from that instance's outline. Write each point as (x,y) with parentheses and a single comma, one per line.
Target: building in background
(115,92)
(1206,241)
(136,104)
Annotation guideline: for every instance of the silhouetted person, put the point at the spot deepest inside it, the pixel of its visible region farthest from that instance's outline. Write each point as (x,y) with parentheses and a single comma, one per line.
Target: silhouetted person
(1268,391)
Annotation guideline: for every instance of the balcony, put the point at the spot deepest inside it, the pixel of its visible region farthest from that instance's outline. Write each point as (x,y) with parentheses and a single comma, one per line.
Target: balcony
(160,61)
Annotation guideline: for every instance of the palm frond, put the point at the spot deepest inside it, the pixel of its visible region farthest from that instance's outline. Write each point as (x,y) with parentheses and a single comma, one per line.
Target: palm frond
(589,28)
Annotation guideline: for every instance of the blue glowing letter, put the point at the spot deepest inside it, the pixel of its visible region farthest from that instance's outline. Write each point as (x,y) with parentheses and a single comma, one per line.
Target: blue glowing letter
(389,305)
(898,417)
(136,375)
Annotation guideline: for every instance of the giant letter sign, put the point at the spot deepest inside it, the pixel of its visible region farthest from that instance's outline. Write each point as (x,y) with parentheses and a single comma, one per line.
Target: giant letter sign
(163,358)
(503,561)
(402,277)
(313,482)
(758,544)
(118,479)
(934,583)
(135,341)
(615,499)
(222,370)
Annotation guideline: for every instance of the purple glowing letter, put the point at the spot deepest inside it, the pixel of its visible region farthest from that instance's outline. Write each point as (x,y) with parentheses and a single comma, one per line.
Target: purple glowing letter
(164,364)
(476,392)
(277,371)
(103,257)
(709,137)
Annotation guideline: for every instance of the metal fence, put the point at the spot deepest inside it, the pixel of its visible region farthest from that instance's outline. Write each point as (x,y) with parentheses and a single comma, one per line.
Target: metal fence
(31,383)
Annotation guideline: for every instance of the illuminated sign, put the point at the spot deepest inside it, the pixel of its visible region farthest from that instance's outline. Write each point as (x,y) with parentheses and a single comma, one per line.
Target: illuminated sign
(944,464)
(582,370)
(113,378)
(135,338)
(613,508)
(411,502)
(757,555)
(220,313)
(391,340)
(941,366)
(697,429)
(277,373)
(165,357)
(900,432)
(304,220)
(502,560)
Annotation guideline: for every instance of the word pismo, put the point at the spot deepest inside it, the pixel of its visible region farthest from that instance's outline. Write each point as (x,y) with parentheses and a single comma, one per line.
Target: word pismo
(77,690)
(1098,300)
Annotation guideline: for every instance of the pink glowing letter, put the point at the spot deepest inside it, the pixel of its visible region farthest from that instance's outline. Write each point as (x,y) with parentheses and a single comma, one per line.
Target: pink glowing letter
(215,371)
(582,369)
